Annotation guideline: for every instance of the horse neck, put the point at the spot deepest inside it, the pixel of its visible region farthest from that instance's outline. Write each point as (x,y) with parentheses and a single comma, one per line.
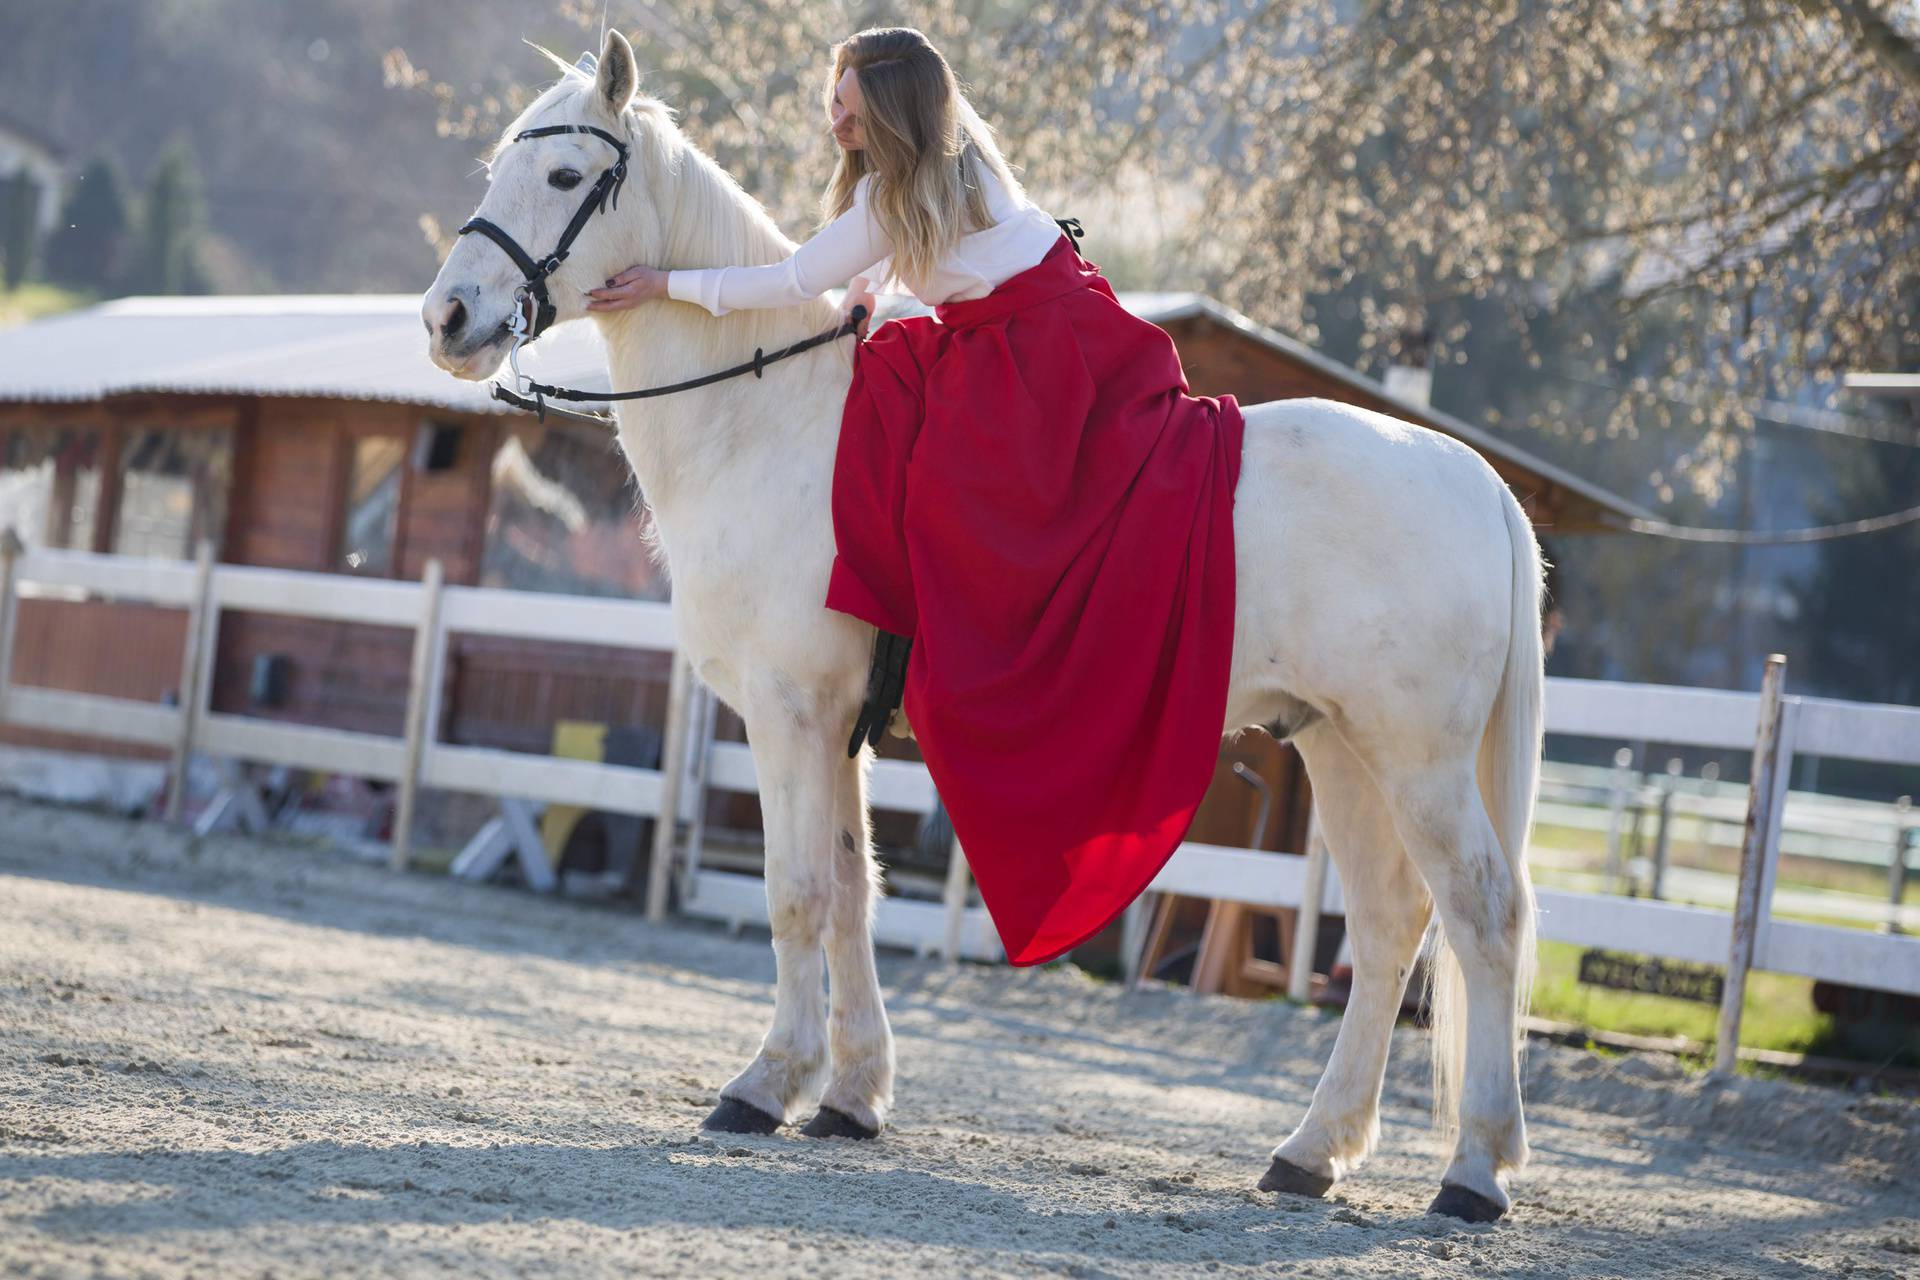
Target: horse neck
(687,443)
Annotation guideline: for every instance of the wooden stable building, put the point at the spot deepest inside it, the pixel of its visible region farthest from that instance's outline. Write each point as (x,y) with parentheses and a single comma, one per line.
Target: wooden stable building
(315,436)
(312,433)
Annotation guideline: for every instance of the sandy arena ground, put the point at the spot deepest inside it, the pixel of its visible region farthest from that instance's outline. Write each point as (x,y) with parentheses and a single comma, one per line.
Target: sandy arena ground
(230,1058)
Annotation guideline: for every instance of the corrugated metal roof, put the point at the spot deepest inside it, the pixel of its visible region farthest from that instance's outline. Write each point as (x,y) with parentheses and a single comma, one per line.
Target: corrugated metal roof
(351,346)
(369,347)
(33,135)
(1484,442)
(1162,308)
(1884,384)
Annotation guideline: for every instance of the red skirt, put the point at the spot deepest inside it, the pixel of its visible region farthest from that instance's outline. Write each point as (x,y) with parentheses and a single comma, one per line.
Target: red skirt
(1027,489)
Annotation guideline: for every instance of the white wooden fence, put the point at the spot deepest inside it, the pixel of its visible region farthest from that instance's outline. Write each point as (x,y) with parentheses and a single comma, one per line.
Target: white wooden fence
(1773,725)
(433,612)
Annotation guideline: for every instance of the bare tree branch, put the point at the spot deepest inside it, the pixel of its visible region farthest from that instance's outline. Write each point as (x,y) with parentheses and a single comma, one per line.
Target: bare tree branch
(1872,30)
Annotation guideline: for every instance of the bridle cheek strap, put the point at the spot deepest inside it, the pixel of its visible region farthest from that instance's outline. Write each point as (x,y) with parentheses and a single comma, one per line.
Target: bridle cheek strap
(604,194)
(536,279)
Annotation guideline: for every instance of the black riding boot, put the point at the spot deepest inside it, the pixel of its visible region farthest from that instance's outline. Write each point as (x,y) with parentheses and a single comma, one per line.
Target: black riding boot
(886,682)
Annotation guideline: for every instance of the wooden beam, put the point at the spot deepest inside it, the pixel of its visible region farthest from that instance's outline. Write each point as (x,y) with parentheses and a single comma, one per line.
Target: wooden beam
(1761,816)
(200,632)
(425,676)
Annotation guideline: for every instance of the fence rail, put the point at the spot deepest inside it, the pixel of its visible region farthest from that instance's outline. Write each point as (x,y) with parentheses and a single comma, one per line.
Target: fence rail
(693,762)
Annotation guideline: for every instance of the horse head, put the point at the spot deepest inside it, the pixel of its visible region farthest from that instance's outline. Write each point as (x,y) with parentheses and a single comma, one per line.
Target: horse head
(555,180)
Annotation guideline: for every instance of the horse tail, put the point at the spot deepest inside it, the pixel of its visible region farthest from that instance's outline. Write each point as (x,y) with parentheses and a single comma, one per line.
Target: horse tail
(1509,773)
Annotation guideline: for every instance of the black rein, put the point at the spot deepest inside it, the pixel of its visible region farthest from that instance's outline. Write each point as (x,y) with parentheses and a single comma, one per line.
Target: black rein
(541,391)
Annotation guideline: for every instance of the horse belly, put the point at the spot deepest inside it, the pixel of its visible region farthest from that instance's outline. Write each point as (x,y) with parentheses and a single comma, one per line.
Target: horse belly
(1373,568)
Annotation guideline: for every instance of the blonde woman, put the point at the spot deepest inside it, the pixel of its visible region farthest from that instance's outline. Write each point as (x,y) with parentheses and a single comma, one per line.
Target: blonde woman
(1027,503)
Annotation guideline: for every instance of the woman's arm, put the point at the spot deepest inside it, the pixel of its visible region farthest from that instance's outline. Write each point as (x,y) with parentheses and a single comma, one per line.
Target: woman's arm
(849,244)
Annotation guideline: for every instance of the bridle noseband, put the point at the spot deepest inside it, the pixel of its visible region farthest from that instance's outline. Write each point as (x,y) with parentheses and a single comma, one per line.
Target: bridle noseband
(604,193)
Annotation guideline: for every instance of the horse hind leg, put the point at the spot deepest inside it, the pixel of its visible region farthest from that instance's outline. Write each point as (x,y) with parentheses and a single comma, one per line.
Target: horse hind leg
(1387,910)
(1485,919)
(860,1088)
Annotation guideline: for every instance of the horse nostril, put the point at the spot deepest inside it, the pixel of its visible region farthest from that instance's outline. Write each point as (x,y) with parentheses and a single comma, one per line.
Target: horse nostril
(455,319)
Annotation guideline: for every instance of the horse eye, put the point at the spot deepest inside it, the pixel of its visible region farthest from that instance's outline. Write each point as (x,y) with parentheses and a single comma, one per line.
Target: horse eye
(564,179)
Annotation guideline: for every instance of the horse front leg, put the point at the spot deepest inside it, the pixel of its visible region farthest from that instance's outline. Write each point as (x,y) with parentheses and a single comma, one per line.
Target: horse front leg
(860,1090)
(794,767)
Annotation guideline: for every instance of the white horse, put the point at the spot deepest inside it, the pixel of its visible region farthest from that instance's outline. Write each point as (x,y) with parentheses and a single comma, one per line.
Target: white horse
(1387,622)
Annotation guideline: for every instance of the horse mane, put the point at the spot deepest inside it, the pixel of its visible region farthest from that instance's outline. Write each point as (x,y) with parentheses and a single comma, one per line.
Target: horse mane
(712,221)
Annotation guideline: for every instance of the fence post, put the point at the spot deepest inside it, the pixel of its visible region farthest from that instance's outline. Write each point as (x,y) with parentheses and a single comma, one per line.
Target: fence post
(673,761)
(1663,838)
(1897,867)
(197,635)
(1763,817)
(1306,926)
(426,674)
(959,888)
(10,550)
(1785,736)
(1136,936)
(1621,782)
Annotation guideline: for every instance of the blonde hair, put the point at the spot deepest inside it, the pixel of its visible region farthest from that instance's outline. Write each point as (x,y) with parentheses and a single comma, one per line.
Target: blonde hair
(925,146)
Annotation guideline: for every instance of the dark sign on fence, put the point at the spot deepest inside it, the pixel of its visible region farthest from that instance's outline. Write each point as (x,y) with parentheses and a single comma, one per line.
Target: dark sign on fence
(1702,982)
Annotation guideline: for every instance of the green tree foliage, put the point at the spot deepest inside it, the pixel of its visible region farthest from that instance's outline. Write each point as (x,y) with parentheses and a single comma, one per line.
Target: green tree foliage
(19,225)
(90,249)
(168,258)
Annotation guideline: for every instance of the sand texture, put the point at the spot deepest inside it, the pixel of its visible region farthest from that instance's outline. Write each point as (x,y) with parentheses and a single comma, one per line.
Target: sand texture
(241,1058)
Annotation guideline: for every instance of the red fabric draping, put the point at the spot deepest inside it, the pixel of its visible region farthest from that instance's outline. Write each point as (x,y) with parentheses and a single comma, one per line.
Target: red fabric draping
(1027,488)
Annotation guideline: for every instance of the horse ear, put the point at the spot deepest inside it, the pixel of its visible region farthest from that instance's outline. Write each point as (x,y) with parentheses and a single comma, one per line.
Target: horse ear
(618,76)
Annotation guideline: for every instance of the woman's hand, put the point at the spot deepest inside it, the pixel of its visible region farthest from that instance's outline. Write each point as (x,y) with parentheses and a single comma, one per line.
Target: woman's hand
(857,296)
(630,288)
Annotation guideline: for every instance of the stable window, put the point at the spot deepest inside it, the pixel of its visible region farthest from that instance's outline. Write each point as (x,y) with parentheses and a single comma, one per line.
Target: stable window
(173,491)
(50,485)
(370,524)
(564,515)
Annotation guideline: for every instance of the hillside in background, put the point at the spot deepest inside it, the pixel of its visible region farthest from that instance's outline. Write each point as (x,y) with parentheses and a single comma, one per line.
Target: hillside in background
(314,170)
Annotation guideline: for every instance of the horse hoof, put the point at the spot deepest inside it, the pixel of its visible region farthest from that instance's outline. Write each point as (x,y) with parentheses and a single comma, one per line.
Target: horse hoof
(1455,1201)
(1290,1179)
(733,1116)
(830,1123)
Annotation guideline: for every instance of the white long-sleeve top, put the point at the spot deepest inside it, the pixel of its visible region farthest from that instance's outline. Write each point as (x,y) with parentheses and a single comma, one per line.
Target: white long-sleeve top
(853,247)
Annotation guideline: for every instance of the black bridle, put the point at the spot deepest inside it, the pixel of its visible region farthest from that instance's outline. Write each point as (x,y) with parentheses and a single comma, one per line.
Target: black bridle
(604,194)
(532,396)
